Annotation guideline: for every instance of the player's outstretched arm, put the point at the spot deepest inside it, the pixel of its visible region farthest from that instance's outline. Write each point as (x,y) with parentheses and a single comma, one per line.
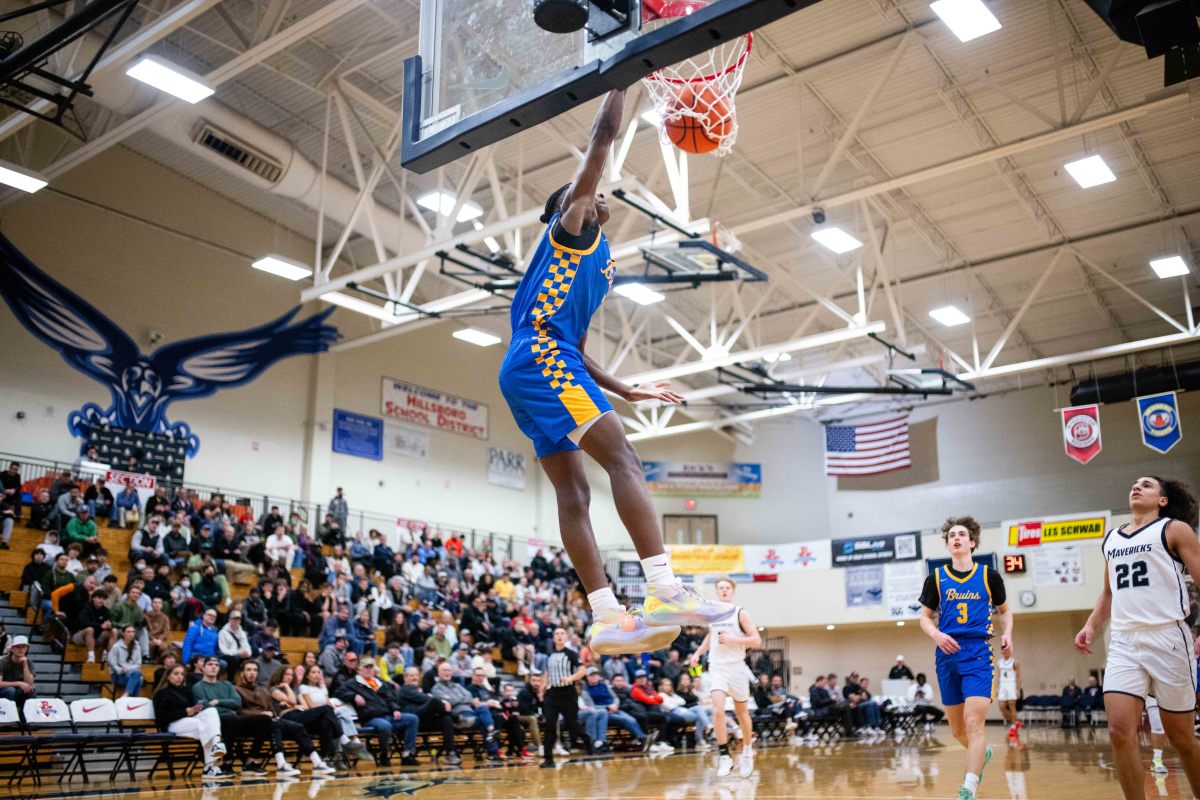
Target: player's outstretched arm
(632,394)
(1099,616)
(579,204)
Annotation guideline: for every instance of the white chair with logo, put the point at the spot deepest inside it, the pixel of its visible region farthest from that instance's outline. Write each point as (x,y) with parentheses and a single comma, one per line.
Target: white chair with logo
(136,715)
(17,744)
(49,719)
(96,717)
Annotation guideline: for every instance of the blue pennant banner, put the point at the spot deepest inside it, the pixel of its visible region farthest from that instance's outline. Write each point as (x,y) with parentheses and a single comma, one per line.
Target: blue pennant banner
(1159,415)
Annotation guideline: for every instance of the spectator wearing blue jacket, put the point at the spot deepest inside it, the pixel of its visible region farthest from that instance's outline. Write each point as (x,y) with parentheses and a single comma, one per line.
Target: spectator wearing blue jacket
(201,638)
(602,697)
(340,624)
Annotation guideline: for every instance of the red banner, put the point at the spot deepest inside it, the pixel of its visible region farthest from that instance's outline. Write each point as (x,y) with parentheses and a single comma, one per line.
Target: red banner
(135,479)
(1081,432)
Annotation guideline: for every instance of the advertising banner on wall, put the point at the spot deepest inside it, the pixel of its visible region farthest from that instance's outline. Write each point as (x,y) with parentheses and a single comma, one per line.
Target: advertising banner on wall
(506,468)
(701,558)
(903,581)
(430,408)
(792,557)
(405,440)
(703,479)
(876,549)
(1037,531)
(357,435)
(864,586)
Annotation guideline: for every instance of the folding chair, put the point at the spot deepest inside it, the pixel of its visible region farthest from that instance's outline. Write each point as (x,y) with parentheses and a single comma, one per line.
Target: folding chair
(16,748)
(96,717)
(136,714)
(49,719)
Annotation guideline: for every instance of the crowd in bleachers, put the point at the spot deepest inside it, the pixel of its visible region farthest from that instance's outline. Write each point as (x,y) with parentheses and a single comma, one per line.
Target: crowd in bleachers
(411,634)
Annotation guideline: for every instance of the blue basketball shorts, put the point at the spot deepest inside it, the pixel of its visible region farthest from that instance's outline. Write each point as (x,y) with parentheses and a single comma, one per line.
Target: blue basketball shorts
(971,672)
(549,391)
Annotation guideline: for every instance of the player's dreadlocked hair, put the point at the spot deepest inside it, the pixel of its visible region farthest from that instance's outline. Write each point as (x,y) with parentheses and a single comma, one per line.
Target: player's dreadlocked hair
(1181,503)
(552,203)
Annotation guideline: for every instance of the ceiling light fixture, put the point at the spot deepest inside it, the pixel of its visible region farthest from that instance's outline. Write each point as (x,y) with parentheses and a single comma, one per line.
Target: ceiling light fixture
(169,78)
(1169,267)
(772,358)
(283,267)
(836,239)
(949,316)
(640,294)
(443,203)
(830,627)
(966,19)
(361,306)
(20,178)
(1090,171)
(476,337)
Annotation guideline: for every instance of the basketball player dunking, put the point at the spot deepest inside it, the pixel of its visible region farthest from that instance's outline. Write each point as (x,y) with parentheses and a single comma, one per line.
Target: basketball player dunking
(726,645)
(1152,650)
(556,394)
(964,593)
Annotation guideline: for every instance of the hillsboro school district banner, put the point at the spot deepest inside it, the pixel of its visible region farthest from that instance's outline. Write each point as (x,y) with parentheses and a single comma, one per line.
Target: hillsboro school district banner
(1037,531)
(876,549)
(419,405)
(697,479)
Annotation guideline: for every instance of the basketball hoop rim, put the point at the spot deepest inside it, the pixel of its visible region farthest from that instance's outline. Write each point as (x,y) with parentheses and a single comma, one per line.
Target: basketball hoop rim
(749,37)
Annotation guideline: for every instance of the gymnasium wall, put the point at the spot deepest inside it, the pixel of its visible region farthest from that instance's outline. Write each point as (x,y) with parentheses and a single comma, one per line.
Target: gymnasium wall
(271,435)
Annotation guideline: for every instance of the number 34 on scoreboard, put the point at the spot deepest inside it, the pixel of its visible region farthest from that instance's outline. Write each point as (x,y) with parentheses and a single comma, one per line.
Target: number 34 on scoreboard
(1014,564)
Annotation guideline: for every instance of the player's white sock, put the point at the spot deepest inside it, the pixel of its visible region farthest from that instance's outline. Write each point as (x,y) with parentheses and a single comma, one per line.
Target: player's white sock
(1157,755)
(971,782)
(658,570)
(602,600)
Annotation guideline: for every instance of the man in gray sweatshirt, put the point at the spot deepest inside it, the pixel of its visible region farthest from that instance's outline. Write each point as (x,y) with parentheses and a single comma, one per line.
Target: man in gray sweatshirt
(464,706)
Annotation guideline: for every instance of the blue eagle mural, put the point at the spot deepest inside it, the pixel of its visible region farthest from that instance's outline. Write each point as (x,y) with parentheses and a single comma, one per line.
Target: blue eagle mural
(143,386)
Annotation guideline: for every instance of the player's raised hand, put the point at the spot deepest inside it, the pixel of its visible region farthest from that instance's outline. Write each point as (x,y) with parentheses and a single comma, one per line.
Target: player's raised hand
(946,643)
(1006,645)
(654,391)
(1083,640)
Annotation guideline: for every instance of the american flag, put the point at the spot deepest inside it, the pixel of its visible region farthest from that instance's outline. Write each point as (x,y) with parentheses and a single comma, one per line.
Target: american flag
(867,449)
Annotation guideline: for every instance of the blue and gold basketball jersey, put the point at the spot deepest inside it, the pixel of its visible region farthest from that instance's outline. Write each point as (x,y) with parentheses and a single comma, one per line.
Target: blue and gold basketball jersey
(964,604)
(544,377)
(562,288)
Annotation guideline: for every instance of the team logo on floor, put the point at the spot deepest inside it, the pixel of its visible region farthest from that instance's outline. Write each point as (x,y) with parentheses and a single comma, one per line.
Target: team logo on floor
(403,785)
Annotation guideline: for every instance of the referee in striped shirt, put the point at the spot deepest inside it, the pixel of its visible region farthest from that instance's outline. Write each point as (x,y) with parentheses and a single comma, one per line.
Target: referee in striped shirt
(563,671)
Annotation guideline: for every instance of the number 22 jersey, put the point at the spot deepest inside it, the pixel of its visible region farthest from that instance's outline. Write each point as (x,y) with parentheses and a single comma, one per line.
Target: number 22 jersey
(1145,576)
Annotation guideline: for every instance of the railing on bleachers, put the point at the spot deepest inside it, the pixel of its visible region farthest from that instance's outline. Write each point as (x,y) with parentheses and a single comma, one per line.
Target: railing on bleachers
(39,473)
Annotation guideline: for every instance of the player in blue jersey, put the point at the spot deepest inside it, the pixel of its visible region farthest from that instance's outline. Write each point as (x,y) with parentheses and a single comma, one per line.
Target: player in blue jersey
(962,594)
(556,394)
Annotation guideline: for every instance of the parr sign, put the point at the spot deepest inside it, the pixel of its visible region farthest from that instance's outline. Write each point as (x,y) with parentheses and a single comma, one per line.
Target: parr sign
(419,405)
(1053,530)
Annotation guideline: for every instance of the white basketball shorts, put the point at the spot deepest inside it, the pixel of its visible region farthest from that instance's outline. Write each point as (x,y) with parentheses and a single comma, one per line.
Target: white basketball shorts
(732,679)
(1155,661)
(1006,691)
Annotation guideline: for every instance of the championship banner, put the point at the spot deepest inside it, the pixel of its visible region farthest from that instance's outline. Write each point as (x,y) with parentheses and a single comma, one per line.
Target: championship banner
(675,479)
(876,549)
(792,557)
(419,405)
(697,559)
(1159,415)
(1081,432)
(1056,530)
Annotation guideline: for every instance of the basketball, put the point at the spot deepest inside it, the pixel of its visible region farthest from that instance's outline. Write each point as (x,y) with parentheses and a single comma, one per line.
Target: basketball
(688,132)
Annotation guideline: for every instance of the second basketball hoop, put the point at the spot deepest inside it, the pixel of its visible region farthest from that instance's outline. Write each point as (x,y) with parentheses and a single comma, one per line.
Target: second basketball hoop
(694,99)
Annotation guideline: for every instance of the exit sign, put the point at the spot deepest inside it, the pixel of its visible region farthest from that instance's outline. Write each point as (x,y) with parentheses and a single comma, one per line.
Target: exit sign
(1014,564)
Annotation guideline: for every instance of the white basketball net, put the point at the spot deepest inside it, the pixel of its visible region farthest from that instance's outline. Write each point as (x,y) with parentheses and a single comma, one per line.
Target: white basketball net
(713,78)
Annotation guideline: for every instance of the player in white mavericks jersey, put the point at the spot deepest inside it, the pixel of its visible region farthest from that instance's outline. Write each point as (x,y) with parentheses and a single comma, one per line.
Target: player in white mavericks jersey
(726,645)
(1008,691)
(1151,651)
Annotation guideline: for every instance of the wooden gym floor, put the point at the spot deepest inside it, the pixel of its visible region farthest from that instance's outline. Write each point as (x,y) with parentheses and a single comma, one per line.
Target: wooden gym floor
(1052,765)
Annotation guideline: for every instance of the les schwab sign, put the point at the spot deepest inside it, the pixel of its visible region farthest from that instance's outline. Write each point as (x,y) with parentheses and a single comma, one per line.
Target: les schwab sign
(419,405)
